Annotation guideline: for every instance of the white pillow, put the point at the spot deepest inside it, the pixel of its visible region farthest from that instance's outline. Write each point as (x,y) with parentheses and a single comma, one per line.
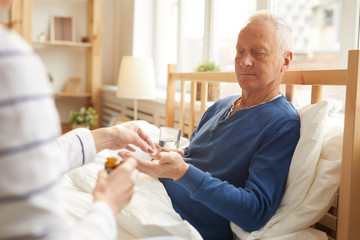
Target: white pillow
(312,181)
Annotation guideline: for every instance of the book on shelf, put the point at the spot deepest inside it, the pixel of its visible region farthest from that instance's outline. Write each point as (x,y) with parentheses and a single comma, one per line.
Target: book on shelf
(62,29)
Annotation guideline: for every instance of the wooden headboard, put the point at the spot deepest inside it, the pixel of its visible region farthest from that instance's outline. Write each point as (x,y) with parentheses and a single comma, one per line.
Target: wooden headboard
(349,194)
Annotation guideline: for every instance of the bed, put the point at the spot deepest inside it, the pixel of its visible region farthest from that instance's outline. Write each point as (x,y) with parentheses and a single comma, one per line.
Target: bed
(327,157)
(348,207)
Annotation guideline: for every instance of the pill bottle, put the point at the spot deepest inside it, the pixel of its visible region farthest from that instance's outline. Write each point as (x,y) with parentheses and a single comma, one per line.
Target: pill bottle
(111,164)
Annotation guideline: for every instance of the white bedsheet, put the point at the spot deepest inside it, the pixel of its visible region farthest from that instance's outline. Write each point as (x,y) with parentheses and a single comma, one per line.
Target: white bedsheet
(149,214)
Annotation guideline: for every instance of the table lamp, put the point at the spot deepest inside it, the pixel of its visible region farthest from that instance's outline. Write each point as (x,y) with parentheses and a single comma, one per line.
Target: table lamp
(136,80)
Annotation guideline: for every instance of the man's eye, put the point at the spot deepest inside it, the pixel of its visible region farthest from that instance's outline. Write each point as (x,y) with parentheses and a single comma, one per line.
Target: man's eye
(260,54)
(240,53)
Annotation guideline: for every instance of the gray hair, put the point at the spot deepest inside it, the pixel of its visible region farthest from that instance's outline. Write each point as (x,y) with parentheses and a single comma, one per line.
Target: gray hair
(284,32)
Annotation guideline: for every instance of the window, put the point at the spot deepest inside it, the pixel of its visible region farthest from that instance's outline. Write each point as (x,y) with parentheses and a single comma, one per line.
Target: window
(165,38)
(359,33)
(229,17)
(208,29)
(316,27)
(191,34)
(328,17)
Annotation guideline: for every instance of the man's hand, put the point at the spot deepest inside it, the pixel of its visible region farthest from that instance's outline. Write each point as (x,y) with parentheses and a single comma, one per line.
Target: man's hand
(164,165)
(117,188)
(162,149)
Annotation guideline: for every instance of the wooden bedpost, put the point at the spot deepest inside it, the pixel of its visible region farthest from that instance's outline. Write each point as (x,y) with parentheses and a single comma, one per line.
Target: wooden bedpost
(192,107)
(349,209)
(170,98)
(290,93)
(182,108)
(316,94)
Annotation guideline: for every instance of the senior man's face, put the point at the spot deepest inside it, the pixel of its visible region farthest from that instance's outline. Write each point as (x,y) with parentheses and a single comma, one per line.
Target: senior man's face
(258,61)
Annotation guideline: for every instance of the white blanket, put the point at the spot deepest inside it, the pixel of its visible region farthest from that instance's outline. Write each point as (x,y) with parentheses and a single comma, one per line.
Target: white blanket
(150,212)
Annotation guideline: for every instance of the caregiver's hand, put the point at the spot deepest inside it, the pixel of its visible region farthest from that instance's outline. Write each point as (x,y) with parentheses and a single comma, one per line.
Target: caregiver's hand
(122,136)
(164,165)
(117,188)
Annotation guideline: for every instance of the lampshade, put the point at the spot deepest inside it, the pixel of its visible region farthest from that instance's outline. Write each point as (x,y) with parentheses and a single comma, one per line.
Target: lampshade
(136,78)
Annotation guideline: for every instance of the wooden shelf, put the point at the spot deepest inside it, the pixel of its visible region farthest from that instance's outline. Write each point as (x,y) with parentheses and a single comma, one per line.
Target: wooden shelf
(65,127)
(4,24)
(63,44)
(28,17)
(64,94)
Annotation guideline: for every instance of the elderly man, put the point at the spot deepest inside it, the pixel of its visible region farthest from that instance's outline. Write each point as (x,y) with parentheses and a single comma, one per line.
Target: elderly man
(236,164)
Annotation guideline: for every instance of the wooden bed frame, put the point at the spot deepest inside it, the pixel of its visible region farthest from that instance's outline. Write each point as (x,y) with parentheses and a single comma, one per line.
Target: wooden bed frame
(348,219)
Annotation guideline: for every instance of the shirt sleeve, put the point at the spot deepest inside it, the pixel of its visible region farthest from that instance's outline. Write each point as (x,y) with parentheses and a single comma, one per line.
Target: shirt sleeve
(33,158)
(98,225)
(252,206)
(79,147)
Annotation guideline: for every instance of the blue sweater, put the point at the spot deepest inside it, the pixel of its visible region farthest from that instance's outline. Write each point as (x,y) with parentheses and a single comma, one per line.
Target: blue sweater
(238,167)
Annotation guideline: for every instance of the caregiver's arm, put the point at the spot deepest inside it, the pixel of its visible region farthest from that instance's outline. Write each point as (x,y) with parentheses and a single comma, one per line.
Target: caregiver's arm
(81,145)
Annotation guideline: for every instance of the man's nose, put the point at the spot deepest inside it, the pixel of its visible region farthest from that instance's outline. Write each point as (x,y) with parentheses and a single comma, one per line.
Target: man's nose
(246,60)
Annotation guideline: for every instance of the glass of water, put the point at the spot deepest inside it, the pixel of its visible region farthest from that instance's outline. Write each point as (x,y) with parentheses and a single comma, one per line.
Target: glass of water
(169,137)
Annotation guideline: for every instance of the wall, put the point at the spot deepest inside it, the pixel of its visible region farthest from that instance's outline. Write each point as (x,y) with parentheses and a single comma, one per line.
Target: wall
(43,11)
(117,36)
(121,17)
(62,62)
(108,43)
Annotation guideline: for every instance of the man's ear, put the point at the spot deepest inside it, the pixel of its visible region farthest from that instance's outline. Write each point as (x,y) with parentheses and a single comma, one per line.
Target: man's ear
(288,57)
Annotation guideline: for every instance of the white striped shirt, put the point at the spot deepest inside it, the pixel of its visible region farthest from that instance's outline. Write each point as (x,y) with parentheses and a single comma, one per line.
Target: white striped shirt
(33,159)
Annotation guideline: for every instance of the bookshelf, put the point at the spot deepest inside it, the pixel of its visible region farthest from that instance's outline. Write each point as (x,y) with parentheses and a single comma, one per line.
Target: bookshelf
(69,47)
